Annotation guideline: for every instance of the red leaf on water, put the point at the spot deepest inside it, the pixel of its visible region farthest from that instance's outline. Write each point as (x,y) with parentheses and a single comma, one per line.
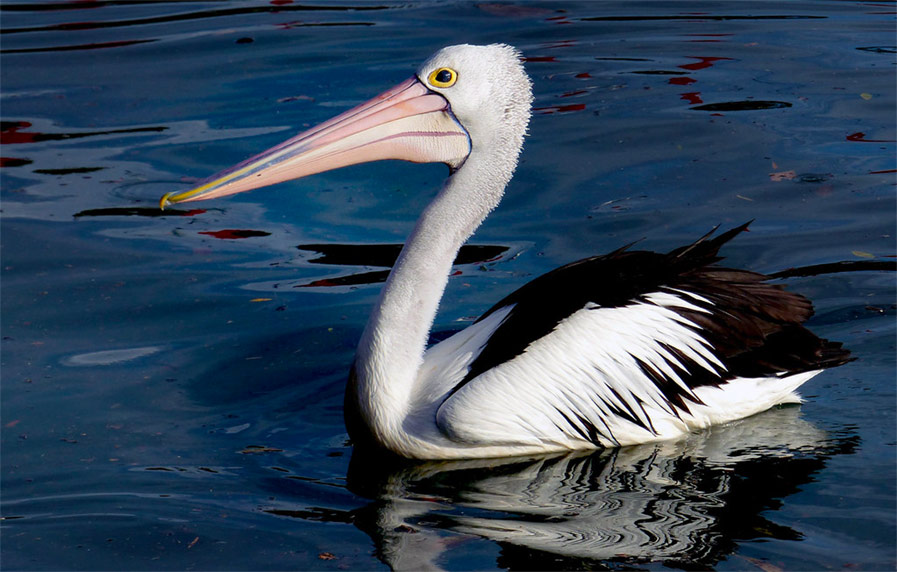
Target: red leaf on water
(323,283)
(232,234)
(560,108)
(10,133)
(860,136)
(701,63)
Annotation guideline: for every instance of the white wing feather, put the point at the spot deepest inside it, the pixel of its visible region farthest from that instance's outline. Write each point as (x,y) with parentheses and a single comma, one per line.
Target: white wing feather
(569,388)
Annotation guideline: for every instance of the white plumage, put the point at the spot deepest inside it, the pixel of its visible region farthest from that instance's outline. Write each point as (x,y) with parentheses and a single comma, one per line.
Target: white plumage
(626,348)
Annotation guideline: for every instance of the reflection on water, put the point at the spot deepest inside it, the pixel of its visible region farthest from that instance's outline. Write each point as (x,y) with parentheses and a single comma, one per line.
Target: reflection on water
(107,357)
(684,502)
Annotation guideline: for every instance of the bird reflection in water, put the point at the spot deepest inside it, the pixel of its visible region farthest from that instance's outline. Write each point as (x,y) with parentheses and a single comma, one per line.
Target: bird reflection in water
(686,503)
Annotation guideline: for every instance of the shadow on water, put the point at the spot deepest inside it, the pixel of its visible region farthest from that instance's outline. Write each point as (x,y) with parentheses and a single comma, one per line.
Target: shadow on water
(383,255)
(686,503)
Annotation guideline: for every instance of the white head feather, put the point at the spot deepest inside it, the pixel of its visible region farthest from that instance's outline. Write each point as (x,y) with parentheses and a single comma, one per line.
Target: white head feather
(492,95)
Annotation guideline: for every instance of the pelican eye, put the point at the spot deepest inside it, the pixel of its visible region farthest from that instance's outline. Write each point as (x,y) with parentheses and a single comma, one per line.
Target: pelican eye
(443,77)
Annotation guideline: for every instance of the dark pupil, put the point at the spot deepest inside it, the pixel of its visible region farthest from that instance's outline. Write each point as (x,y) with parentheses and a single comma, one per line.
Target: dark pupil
(444,76)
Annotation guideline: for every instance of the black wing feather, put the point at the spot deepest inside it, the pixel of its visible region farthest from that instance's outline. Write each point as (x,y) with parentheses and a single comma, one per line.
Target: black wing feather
(754,326)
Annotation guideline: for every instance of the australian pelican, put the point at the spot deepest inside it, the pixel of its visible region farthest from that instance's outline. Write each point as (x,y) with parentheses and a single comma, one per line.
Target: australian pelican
(625,348)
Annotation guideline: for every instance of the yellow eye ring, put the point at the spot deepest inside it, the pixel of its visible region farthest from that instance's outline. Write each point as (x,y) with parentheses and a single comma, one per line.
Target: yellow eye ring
(443,77)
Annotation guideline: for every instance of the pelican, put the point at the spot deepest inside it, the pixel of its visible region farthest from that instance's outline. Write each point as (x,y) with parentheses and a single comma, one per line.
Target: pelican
(624,348)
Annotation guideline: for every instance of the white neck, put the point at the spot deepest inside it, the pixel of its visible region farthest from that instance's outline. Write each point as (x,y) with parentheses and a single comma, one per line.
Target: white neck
(493,105)
(391,350)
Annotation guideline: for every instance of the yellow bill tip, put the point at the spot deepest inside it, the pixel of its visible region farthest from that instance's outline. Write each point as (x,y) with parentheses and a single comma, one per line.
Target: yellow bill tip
(164,201)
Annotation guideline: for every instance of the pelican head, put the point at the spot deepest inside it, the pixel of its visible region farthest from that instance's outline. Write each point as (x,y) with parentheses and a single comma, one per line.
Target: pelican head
(462,99)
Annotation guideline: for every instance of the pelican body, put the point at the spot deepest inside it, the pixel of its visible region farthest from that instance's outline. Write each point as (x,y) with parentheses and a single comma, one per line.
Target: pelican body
(625,348)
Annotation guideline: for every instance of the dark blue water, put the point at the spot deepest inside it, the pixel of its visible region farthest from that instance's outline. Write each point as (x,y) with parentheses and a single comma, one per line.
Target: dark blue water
(172,382)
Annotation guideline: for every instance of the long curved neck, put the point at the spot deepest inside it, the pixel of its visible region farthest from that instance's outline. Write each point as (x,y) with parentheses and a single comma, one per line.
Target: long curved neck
(391,350)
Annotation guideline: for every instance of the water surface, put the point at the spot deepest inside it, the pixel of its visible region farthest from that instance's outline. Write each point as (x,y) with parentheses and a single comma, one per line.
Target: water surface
(172,381)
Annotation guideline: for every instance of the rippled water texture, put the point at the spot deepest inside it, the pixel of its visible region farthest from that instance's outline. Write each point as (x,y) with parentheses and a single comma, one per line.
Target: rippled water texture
(172,381)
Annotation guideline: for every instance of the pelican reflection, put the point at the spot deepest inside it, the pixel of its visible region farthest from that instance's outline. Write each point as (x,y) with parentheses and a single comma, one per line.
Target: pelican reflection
(685,502)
